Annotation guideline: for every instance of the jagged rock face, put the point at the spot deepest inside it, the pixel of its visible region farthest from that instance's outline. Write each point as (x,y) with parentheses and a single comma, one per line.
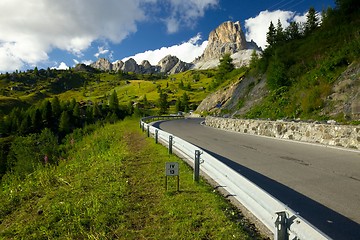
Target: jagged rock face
(171,64)
(130,66)
(117,65)
(102,64)
(83,68)
(227,38)
(180,66)
(167,63)
(146,64)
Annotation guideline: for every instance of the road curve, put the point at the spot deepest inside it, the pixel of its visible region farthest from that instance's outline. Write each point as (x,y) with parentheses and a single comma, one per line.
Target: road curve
(321,183)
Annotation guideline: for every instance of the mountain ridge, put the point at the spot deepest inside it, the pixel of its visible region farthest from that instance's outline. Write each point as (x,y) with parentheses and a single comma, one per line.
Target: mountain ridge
(228,37)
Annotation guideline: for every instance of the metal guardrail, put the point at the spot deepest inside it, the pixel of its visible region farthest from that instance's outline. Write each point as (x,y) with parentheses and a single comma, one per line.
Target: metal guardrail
(282,221)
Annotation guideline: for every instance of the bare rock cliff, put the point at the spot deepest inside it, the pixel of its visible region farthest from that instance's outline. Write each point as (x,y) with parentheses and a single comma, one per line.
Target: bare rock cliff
(226,38)
(102,64)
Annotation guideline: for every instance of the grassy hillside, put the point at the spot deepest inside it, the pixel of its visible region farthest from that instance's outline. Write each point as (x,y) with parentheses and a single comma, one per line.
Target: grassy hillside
(301,72)
(110,185)
(27,88)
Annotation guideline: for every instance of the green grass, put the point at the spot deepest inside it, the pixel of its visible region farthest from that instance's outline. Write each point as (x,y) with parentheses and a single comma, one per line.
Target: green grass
(111,186)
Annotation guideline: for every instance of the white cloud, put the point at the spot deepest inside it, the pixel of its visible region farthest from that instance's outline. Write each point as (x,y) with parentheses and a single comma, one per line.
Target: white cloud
(186,51)
(31,29)
(185,13)
(62,66)
(257,27)
(101,51)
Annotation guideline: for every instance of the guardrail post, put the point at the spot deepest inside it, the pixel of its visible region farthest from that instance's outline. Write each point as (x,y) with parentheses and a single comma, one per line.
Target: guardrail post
(281,232)
(148,130)
(156,136)
(143,127)
(140,124)
(170,144)
(197,166)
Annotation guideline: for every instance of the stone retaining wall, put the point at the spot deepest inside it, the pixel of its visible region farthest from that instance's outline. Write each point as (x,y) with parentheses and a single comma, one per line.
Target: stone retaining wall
(328,134)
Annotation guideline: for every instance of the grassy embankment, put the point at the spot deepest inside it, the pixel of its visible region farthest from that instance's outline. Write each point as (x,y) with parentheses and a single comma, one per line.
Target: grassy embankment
(111,186)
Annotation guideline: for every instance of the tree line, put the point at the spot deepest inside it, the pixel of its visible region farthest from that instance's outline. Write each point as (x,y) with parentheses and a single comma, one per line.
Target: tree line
(34,136)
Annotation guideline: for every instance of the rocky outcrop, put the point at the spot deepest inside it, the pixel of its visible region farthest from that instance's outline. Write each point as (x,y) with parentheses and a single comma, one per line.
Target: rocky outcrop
(328,134)
(171,64)
(345,97)
(130,65)
(117,65)
(84,68)
(247,90)
(102,64)
(227,38)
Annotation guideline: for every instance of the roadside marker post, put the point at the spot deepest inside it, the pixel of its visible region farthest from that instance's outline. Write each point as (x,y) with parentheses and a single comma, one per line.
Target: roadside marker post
(197,166)
(170,144)
(172,169)
(156,136)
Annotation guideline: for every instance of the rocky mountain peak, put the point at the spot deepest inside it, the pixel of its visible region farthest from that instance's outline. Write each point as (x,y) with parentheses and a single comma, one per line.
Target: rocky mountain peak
(102,64)
(228,37)
(228,32)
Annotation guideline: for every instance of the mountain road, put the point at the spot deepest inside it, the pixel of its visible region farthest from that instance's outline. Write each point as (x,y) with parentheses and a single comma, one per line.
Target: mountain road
(321,183)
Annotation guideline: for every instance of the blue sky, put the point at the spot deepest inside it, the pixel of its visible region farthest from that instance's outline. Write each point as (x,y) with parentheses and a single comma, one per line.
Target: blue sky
(58,34)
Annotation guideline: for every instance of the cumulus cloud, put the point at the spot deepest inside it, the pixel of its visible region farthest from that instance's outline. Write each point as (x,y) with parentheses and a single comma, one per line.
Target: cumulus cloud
(185,13)
(102,50)
(186,51)
(31,29)
(257,27)
(62,66)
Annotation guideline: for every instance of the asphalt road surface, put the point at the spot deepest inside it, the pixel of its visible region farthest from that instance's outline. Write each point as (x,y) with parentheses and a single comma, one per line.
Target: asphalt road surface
(321,183)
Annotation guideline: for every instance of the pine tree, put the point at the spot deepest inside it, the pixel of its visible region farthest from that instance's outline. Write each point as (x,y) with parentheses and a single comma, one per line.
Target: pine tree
(178,105)
(56,107)
(279,33)
(76,115)
(226,64)
(293,31)
(64,125)
(254,60)
(25,126)
(270,35)
(163,103)
(185,102)
(312,21)
(46,113)
(36,121)
(36,71)
(114,102)
(276,74)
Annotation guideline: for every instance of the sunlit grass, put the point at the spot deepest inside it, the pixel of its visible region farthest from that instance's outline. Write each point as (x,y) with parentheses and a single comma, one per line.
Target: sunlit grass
(111,186)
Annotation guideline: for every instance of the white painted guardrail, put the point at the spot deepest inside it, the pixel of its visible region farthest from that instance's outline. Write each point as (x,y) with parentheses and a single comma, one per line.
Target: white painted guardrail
(282,221)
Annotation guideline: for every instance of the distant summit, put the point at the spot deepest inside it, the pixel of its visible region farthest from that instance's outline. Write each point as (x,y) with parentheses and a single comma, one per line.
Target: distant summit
(168,65)
(226,38)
